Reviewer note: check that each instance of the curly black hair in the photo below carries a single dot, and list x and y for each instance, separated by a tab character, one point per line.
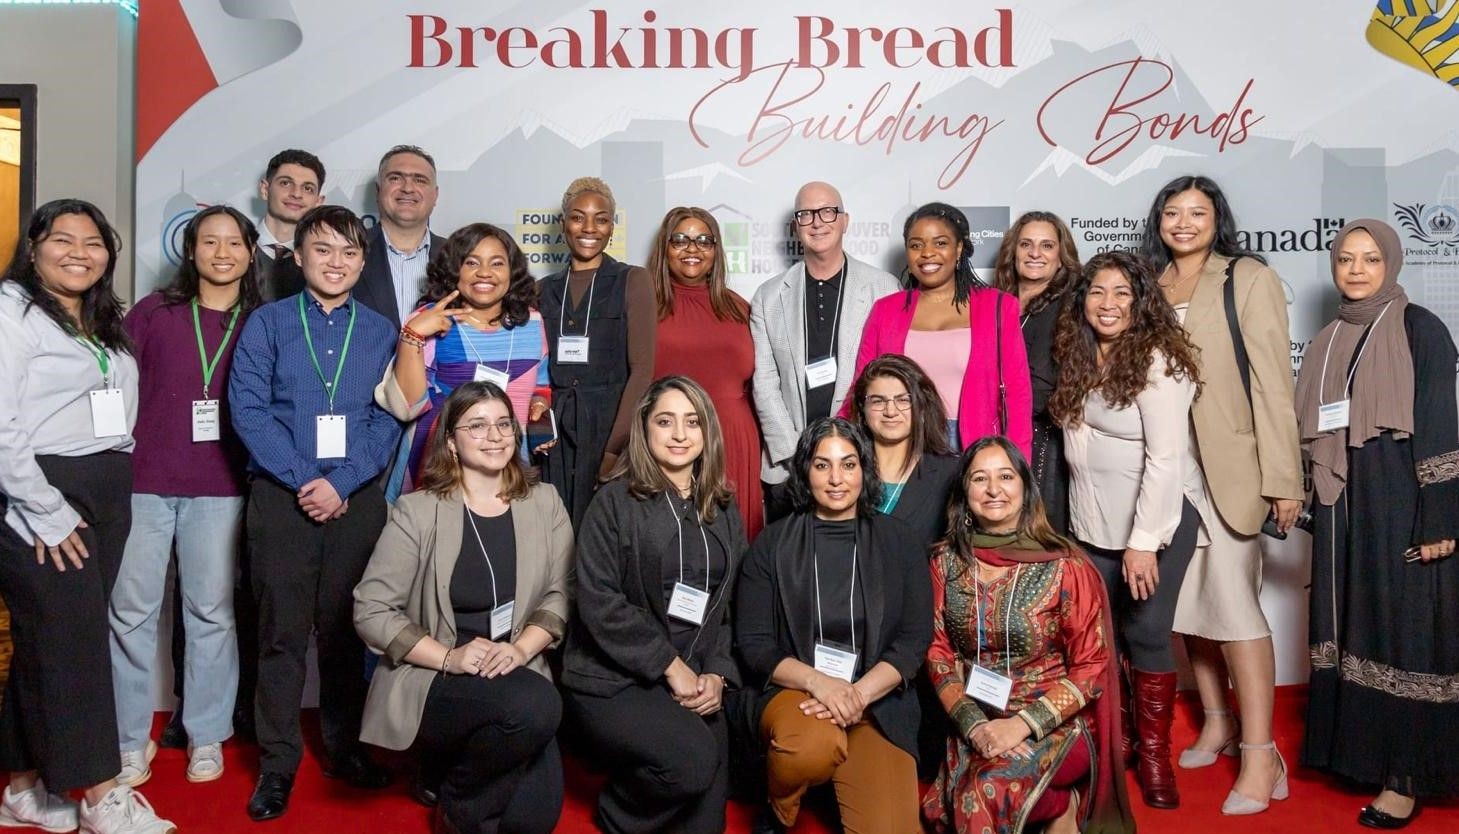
444	271
964	279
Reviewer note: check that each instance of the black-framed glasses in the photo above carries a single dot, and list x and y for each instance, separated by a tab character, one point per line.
481	429
901	402
679	240
828	214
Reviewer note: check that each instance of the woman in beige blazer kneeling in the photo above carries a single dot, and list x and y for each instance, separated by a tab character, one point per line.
468	585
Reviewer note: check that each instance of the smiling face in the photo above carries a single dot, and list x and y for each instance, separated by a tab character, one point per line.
221	254
995	491
293	190
1359	269
835	479
71	258
883	410
490	453
1188	223
933	251
331	264
408	190
693	263
820	238
1036	256
486	274
1108	303
587	226
675	436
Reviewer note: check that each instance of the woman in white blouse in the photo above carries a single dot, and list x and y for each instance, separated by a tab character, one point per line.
66	420
1127	377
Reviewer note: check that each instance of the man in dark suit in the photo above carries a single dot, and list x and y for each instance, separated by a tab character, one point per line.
401	244
292	184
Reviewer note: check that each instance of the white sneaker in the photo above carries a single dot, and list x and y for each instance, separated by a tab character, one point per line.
204	764
37	808
137	765
123	811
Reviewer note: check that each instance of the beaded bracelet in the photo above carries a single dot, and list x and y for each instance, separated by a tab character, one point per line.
446	661
410	337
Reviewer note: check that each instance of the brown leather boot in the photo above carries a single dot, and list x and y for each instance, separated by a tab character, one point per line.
1154	708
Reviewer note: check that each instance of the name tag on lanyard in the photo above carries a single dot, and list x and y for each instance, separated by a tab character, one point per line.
329	436
1333	416
486	373
206	426
688	603
572	350
108	413
501	619
835	661
821	372
989	687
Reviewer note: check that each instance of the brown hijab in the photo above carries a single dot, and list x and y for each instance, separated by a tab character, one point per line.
1382	383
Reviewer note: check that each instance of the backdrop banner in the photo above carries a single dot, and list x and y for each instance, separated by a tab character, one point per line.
1307	115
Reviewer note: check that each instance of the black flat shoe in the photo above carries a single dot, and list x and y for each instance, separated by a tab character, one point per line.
174	735
1374	818
357	769
425	791
270	796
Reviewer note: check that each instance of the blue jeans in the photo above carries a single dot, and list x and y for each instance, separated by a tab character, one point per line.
208	535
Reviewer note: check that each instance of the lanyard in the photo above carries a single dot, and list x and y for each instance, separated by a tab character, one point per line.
103	361
679	524
210	366
567	291
1322	380
471	517
890	497
476	357
820	628
1007	619
329	387
835	317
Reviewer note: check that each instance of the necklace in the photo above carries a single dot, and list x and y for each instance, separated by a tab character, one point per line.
1179	279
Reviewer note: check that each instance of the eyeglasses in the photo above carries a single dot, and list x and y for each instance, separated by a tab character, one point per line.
679	240
902	402
828	214
481	429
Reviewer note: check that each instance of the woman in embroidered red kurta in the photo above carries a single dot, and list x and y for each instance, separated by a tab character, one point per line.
1017	600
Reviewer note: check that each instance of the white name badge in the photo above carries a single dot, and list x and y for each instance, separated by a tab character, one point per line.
688	603
205	421
838	663
989	687
822	372
329	436
501	619
108	413
1333	415
572	350
486	373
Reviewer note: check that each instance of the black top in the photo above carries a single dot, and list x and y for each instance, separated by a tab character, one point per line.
699	550
822	302
471	582
922	505
833	548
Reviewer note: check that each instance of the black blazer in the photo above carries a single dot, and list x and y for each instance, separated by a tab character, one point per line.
923	502
775	611
376	288
619	635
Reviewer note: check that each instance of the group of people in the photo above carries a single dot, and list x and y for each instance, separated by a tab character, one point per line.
592	509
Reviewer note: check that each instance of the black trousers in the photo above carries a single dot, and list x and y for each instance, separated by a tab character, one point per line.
495	740
304	577
59	714
1142	627
668	769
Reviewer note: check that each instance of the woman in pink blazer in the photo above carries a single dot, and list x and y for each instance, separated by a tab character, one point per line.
964	335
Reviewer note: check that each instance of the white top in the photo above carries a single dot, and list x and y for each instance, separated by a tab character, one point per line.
46	376
1130	468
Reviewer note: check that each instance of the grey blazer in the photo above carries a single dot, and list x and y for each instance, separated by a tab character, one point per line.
405	595
777	324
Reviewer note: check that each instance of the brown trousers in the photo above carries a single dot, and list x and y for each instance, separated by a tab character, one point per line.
875	781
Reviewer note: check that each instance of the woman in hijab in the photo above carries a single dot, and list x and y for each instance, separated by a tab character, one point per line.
1376	406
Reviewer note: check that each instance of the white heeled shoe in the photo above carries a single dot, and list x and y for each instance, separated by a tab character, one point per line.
1238	805
1191	758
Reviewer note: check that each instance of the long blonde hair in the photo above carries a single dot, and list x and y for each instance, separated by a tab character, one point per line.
646	478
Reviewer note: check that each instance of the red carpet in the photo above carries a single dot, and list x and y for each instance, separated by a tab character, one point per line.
1318	803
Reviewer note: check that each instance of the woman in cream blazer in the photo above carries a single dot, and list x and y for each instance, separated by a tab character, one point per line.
468	585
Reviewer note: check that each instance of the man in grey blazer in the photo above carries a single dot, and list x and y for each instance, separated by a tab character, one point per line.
806	323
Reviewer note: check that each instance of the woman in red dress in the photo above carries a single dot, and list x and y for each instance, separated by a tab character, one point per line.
704	334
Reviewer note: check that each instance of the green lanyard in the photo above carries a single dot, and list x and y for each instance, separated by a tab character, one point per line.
329	387
209	367
890	496
103	361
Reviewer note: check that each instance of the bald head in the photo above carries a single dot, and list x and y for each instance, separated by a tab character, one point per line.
820	239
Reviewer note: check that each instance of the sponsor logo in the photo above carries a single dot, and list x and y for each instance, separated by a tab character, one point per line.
1436	225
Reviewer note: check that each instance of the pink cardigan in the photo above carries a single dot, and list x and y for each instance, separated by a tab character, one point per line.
886	332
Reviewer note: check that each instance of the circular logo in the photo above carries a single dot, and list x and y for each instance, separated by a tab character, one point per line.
172	235
1440	224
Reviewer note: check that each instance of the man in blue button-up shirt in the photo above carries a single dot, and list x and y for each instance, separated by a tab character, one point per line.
302	397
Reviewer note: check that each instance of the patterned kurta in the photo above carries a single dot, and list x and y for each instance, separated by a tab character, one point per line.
1043	626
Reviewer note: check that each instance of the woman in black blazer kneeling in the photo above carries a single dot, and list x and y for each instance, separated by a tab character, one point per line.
833	621
648	655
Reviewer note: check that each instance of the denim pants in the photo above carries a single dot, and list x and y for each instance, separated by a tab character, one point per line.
208	533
